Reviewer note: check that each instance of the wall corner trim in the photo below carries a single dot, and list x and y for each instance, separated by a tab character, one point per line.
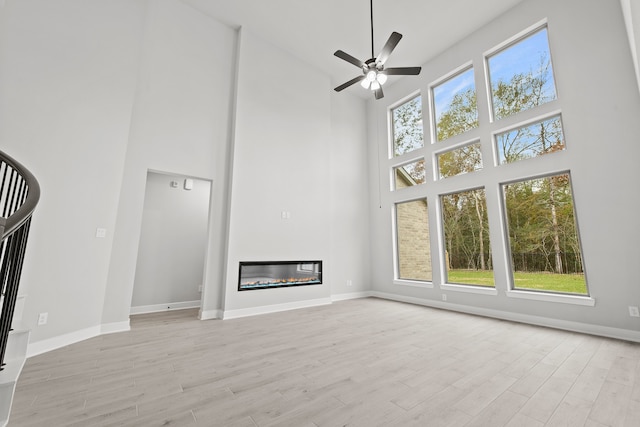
210	314
111	328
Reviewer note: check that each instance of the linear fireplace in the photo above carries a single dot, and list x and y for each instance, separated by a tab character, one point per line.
278	274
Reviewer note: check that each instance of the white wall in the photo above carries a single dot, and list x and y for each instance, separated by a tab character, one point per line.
281	163
68	72
180	123
95	93
350	242
300	148
173	242
594	73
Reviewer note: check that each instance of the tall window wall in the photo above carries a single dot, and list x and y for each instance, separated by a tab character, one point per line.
456	151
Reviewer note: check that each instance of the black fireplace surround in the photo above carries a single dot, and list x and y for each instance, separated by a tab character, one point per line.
278	274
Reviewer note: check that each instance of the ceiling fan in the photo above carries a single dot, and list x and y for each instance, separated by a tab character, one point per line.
374	75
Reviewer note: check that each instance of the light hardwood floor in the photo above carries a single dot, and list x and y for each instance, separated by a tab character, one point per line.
366	362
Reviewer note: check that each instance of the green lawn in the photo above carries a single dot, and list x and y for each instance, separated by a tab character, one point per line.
569	283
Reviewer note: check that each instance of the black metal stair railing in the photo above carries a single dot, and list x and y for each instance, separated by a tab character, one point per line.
19	195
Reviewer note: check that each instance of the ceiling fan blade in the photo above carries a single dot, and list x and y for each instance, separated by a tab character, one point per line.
402	71
349	83
378	93
394	38
343	55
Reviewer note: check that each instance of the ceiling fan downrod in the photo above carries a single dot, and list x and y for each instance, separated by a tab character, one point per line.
371	9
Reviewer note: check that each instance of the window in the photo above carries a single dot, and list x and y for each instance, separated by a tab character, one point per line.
409	174
532	201
407	127
530	141
543	237
466	235
521	75
412	241
460	160
455	107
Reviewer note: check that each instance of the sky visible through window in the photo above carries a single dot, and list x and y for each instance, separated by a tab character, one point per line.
530	141
523	57
522	75
520	58
443	94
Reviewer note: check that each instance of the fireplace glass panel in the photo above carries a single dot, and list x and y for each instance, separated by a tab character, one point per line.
278	274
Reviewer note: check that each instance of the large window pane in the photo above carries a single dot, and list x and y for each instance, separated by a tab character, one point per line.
466	234
543	237
455	105
407	127
461	160
412	231
409	175
522	76
531	141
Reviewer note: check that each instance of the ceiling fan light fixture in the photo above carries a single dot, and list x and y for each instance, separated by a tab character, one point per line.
374	75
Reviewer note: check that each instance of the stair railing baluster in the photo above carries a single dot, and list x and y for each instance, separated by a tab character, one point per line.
19	195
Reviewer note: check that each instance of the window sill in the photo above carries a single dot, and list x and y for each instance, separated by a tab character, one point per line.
413	283
469	289
560	298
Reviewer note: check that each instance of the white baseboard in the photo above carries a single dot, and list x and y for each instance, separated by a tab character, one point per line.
351	295
141	309
40	347
44	346
231	314
111	328
244	312
60	341
585	328
210	314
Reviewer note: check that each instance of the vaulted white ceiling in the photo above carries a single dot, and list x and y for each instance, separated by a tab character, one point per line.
314	30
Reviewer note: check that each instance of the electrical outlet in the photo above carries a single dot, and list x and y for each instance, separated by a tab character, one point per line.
42	318
200	288
633	311
444	297
349	282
